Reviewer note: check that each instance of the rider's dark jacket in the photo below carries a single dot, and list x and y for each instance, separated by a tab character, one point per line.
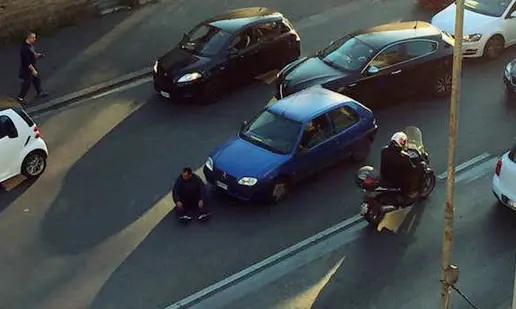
397	169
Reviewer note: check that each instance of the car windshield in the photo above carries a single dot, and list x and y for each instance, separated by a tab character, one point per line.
205	40
349	54
487	7
272	132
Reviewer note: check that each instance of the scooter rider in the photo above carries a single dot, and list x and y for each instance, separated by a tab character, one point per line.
398	169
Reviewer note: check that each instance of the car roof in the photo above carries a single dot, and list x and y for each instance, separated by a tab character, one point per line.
307	103
8	103
380	36
233	21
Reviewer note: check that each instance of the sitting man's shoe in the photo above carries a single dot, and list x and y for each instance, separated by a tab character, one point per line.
20	100
202	216
185	218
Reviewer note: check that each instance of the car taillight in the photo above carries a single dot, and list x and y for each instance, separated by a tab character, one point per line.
37	133
498	167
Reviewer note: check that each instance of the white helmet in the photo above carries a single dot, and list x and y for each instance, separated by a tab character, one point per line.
400	138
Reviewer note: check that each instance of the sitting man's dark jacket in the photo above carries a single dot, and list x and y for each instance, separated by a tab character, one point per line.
397	168
189	192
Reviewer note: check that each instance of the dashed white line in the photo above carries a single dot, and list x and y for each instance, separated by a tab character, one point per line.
465	165
268	262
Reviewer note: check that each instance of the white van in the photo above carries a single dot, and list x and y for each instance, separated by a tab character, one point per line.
22	150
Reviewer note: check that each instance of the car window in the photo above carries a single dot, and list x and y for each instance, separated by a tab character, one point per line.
315	132
205	40
342	117
273	132
6	125
348	53
389	56
268	30
416	49
244	40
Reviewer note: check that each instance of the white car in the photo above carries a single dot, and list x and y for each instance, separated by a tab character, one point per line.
504	180
489	26
22	150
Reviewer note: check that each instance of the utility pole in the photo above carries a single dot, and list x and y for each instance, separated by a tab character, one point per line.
449	272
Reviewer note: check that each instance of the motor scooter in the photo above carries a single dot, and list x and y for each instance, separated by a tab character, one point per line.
381	198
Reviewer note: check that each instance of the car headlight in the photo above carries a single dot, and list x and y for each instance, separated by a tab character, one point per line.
209	163
155	67
247	181
189	77
472	37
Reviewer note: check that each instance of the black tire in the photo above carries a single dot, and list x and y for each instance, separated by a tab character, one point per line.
494	47
361	150
428	185
279	191
34	164
442	84
212	92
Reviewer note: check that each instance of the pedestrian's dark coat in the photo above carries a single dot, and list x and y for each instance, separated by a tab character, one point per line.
188	191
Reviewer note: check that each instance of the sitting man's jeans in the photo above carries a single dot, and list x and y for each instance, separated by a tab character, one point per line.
190	210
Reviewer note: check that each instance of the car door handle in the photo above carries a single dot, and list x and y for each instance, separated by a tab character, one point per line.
396	72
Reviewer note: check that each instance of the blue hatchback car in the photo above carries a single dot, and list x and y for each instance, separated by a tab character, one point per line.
288	141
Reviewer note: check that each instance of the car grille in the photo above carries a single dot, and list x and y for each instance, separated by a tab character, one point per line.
223	176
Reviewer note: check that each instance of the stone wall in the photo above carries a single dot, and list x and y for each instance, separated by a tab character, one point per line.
19	16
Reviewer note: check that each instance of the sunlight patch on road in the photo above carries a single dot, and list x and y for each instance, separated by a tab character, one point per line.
102	261
307	298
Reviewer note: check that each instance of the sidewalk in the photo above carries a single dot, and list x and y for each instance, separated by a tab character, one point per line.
108	47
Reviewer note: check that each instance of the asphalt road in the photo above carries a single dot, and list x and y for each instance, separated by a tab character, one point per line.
402	270
94	229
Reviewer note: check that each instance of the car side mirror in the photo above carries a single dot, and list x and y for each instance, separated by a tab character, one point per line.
300	149
232	52
372	70
243	125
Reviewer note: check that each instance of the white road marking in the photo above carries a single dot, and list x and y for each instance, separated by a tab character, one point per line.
465	165
136	83
224	298
476	172
253	270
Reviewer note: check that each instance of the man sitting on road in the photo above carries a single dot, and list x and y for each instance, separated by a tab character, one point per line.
188	195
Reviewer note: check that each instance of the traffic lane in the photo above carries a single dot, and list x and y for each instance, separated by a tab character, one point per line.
318	31
367	272
265	233
257	236
407	264
35	269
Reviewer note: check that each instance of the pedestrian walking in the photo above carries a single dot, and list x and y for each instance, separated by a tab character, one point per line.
188	194
29	74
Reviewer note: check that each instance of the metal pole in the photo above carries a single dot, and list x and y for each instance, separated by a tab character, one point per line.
514	288
446	268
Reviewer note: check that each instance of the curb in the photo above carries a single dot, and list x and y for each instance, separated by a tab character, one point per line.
90	91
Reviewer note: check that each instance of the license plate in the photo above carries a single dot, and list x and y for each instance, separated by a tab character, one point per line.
165	94
222	185
364	208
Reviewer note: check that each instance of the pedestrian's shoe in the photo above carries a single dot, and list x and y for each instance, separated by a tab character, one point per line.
185	218
42	94
20	100
203	217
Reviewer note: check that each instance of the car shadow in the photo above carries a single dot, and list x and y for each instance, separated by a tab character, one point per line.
9	195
